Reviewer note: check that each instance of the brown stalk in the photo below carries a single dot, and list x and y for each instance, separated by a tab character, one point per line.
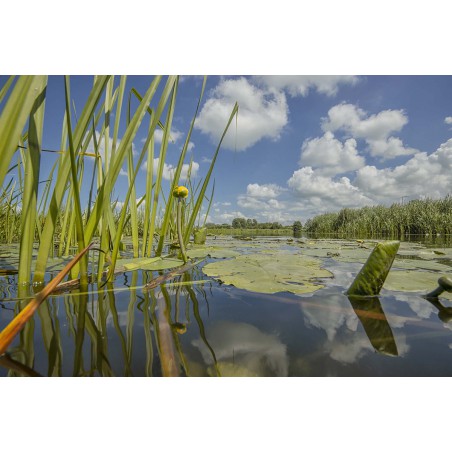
16	325
161	279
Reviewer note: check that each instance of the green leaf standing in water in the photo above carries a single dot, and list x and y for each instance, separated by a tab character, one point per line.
372	276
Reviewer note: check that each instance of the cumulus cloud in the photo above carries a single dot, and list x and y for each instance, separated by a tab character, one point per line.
375	129
422	175
300	85
227	217
261	199
175	135
448	120
100	139
168	169
263	113
328	156
318	190
264	191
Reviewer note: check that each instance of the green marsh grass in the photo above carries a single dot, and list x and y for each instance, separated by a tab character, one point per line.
425	217
51	216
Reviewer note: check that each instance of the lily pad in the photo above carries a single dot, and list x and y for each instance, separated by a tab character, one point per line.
414	281
420	264
153	263
265	273
212	251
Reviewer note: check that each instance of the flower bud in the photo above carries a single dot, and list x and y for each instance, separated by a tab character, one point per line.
180	192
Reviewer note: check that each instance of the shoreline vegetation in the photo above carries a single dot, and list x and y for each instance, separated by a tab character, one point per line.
45	211
417	217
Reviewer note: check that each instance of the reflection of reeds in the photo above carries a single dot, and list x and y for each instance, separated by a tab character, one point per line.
147	334
115	317
200	323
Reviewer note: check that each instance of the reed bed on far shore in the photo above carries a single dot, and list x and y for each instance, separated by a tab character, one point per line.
417	217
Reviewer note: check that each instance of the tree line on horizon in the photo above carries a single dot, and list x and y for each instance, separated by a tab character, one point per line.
246	223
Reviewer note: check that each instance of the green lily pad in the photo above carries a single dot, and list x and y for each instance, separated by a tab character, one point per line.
420	264
414	281
153	263
163	264
265	273
137	263
212	251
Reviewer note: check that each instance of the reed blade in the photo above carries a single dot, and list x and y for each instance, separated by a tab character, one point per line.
30	194
14	117
200	199
177	173
61	182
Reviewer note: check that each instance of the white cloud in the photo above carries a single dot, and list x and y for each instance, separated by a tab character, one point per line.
263	191
206	160
175	135
323	192
168	169
261	200
374	129
190	146
101	146
422	175
227	217
262	114
448	120
301	84
329	156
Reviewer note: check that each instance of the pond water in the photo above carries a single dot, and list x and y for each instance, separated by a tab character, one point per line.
196	325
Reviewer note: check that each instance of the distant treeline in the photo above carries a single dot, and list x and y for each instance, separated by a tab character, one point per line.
245	223
428	216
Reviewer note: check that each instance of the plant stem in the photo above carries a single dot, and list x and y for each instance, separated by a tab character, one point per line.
179	230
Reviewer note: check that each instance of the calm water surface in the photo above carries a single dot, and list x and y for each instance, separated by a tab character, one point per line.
205	328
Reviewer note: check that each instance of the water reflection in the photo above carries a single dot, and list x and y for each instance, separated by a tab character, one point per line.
190	327
243	350
444	312
375	324
113	332
353	326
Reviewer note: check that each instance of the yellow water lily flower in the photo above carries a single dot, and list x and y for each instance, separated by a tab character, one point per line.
180	192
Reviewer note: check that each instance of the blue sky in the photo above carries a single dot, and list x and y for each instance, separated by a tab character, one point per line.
303	145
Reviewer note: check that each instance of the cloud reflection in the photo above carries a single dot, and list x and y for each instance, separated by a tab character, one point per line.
248	348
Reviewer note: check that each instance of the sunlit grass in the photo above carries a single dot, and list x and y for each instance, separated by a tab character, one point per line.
51	216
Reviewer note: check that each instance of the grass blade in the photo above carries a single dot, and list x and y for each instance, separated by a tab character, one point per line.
14	117
199	201
30	194
6	87
177	173
63	176
76	189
